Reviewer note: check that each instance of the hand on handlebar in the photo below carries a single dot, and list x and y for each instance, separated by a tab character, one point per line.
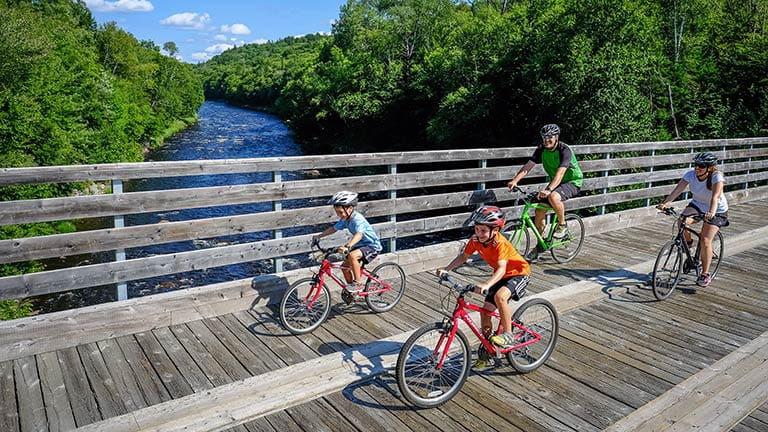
512	185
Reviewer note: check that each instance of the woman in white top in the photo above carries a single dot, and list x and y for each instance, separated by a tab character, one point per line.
706	185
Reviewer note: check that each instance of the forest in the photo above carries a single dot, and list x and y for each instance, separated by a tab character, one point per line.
409	74
72	92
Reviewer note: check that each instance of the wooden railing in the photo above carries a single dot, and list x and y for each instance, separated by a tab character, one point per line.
617	173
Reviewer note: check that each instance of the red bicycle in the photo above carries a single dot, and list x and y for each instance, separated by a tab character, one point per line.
307	302
434	362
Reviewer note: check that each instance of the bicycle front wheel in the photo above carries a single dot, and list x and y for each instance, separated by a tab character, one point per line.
539	316
666	270
389	275
421	381
517	234
298	313
566	249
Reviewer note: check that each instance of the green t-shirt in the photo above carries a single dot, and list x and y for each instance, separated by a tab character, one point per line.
561	156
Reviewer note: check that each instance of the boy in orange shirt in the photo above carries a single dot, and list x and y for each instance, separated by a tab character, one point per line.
510	276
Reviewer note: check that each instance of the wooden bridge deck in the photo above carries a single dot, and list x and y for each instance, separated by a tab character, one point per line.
614	356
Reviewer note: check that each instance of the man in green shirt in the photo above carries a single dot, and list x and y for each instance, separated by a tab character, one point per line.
564	177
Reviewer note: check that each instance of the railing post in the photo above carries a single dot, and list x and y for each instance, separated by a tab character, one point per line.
749	161
483	163
393	217
650	174
277	177
119	222
605	189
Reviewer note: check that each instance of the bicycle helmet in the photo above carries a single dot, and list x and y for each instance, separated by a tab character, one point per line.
490	216
549	130
705	158
344	198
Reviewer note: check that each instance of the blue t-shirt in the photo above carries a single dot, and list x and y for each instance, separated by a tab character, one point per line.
357	223
701	195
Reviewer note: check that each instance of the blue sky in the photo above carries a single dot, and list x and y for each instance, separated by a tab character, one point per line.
204	28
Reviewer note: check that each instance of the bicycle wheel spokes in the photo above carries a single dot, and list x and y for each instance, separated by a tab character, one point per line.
517	235
298	313
422	380
393	276
566	249
666	270
537	316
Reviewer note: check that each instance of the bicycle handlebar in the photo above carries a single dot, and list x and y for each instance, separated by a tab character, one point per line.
670	211
527	196
462	289
327	251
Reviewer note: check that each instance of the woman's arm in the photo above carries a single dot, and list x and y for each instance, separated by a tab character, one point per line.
717	190
681	185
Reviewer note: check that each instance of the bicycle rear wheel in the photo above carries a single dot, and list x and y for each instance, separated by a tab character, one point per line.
666	270
420	381
537	315
518	236
296	314
394	276
570	247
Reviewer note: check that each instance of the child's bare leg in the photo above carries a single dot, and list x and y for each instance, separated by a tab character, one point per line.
485	320
505	312
353	261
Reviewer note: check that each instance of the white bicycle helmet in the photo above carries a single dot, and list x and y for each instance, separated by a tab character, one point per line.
344	198
549	130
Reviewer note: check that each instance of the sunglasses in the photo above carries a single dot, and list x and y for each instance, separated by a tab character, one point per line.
698	165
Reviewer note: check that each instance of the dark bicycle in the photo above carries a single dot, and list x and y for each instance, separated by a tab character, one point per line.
676	258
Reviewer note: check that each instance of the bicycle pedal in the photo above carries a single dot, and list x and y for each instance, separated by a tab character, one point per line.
348	297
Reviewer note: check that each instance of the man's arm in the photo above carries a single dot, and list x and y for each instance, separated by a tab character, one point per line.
524	170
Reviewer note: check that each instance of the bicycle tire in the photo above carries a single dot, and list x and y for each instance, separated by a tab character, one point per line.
540	316
393	275
294	314
666	269
568	251
418	380
520	239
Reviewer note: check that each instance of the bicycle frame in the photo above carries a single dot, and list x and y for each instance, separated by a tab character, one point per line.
326	269
694	260
460	313
525	221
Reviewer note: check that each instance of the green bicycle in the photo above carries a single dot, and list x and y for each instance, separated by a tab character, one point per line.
562	250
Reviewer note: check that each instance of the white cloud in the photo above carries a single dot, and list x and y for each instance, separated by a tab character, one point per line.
120	6
239	29
201	56
220	37
218	48
260	41
187	20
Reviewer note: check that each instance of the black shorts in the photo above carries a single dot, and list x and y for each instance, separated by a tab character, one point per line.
369	254
515	284
719	220
566	191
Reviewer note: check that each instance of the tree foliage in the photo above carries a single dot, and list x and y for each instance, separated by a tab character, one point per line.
446	73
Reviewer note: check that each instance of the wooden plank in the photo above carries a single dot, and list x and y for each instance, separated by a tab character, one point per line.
58	411
218	351
252	363
247	335
125	382
190	358
104	388
81	399
150	385
9	410
176	385
30	397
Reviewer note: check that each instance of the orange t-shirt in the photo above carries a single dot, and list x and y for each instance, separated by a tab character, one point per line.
499	250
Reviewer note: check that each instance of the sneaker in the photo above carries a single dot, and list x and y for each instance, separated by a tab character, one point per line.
348	297
503	339
353	287
533	255
483	359
704	279
561	232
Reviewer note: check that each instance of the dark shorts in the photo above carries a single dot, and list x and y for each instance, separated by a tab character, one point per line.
515	284
369	253
566	191
719	220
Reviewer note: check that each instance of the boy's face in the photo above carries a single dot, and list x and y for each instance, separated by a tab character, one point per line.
343	212
483	233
